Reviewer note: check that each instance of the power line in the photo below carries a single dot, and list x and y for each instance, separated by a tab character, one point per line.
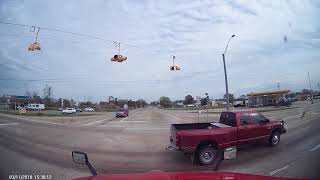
82	35
72	79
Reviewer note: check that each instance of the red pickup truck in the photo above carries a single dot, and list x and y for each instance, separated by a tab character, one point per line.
206	141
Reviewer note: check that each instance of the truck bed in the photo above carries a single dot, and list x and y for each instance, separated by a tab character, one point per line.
191	126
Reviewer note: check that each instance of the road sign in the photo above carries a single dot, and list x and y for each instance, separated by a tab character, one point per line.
22	110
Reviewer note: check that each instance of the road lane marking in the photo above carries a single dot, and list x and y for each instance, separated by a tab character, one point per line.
79	122
315	148
128	122
41	121
129	116
96	122
26	119
147	129
7	124
174	117
280	169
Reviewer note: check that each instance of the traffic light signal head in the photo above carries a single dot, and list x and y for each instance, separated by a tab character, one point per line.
34	46
119	58
174	68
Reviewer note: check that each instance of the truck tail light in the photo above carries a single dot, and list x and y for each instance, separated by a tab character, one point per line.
177	139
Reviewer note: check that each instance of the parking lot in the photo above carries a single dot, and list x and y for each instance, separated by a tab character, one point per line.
137	144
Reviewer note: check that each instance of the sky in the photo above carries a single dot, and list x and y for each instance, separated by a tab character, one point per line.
276	42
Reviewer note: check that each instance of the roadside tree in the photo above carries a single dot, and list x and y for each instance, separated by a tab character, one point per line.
165	102
231	97
188	100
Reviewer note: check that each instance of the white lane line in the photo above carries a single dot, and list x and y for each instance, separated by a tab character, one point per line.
128	122
147	129
9	124
79	122
315	148
129	116
174	117
89	120
45	122
96	122
280	169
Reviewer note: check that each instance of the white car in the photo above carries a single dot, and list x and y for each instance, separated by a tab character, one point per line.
89	109
69	111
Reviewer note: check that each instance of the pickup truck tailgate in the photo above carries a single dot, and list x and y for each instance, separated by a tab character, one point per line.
173	136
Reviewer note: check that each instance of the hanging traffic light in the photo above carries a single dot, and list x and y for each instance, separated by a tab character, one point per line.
118	57
35	45
174	67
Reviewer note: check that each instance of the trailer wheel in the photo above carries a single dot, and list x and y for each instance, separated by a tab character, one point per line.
207	155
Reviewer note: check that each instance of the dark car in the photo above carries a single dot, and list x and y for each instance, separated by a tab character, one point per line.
122	112
78	109
284	103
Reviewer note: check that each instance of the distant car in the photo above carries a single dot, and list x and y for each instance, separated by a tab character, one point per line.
69	111
60	109
122	112
78	109
88	109
33	106
284	103
239	104
191	105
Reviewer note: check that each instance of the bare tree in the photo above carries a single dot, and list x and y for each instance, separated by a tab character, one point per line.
36	98
72	103
27	93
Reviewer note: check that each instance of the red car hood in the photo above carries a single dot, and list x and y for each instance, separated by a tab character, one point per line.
159	175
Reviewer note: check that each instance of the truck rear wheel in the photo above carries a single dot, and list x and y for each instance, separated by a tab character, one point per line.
207	155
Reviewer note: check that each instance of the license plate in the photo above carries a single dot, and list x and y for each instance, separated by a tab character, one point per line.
230	152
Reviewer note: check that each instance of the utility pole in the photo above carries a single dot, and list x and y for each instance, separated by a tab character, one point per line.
207	100
310	88
225	71
226	80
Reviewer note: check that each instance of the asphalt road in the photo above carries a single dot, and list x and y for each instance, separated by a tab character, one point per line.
33	146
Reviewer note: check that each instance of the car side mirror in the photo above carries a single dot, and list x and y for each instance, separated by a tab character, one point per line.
79	157
82	158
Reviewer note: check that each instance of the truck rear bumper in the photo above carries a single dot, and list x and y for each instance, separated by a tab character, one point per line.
172	148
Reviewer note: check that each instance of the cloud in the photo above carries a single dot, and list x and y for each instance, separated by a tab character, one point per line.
196	32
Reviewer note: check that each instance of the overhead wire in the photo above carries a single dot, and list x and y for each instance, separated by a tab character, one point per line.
83	35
